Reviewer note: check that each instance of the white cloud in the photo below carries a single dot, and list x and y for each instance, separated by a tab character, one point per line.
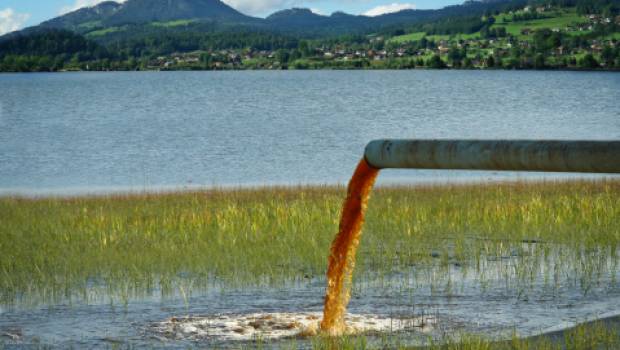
258	7
82	3
11	21
389	8
318	12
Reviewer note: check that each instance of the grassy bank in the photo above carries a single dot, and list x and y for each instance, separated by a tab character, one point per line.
602	334
54	249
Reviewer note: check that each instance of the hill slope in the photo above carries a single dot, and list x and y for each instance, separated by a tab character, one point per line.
108	16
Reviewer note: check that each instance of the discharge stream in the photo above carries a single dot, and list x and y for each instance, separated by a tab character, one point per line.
344	247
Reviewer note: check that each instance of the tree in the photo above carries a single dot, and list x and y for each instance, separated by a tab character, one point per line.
455	55
282	56
608	55
589	62
539	61
467	63
490	62
435	62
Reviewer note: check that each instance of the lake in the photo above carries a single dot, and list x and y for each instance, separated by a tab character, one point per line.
80	133
102	132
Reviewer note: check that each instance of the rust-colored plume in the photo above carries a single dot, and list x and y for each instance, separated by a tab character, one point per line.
344	247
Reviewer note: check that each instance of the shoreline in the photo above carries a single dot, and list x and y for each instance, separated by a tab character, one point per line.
128	192
197	69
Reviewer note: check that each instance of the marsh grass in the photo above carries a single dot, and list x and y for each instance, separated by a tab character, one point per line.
602	334
127	246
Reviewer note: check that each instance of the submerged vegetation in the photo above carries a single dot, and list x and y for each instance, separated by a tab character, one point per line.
125	246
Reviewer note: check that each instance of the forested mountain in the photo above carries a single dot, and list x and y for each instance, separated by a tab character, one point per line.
109	13
145	11
208	34
124	20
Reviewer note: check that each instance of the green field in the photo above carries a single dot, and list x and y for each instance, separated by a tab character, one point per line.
177	23
408	37
419	35
614	36
106	31
559	20
89	25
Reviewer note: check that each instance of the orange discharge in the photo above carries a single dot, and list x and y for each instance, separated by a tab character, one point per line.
344	246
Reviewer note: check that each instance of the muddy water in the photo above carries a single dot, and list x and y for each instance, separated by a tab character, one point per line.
344	248
457	300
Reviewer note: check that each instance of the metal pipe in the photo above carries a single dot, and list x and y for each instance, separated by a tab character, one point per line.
527	155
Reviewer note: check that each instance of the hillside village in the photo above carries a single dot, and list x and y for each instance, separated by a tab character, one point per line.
553	46
527	37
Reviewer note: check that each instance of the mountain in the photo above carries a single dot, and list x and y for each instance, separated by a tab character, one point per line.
144	11
112	21
73	19
207	34
109	14
295	14
188	23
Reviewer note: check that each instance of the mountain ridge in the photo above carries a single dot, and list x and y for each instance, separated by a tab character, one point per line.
297	21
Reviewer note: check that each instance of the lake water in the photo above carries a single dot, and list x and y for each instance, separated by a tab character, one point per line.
93	132
101	132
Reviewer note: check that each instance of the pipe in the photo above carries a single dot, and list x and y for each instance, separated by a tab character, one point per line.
527	155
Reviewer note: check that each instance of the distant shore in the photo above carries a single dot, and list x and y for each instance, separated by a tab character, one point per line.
198	69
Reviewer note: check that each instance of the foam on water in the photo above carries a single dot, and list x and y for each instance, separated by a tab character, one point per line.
272	326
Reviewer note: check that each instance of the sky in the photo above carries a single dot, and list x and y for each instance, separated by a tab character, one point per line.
17	14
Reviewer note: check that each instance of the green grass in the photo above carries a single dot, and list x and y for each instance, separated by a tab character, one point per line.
54	249
408	37
177	23
602	334
419	35
614	36
106	31
471	36
559	20
89	25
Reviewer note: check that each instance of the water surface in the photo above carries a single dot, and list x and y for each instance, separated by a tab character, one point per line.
89	132
93	132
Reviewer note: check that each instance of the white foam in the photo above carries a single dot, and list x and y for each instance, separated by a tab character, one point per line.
279	325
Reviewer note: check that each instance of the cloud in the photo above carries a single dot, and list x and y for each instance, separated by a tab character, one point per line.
251	7
389	8
259	7
82	3
11	21
318	12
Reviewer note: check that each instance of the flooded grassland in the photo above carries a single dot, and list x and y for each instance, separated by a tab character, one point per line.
456	263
